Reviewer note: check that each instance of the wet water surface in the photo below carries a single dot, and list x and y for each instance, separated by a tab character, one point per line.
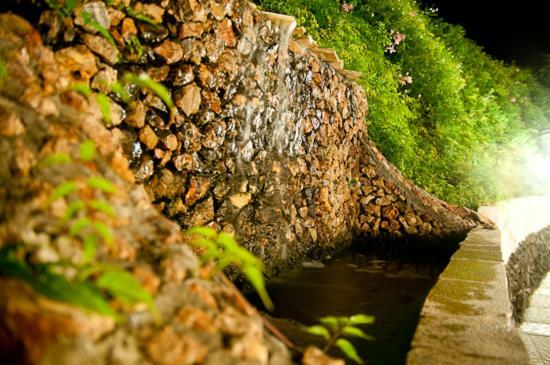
390	288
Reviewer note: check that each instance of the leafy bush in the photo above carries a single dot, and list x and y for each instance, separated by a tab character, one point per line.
222	250
443	111
334	329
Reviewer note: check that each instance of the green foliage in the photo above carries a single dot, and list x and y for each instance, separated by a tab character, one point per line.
142	81
90	21
104	104
62	7
135	46
3	72
145	82
102	184
223	250
44	281
87	150
91	285
333	329
125	287
63	189
56	159
443	111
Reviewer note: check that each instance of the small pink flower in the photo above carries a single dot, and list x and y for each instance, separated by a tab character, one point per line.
347	7
406	80
398	38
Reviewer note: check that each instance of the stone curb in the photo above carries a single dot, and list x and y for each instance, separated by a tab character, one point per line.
467	316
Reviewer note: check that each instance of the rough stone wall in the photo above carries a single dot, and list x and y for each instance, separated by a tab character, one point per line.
268	144
526	268
204	319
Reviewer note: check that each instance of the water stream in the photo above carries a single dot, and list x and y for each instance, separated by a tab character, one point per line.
392	288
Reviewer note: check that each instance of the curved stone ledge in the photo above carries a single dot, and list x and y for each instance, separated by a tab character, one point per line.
526	268
466	318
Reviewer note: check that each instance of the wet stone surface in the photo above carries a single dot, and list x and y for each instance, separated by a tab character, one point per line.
280	136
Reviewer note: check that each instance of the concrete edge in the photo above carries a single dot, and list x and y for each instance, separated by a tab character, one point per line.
467	316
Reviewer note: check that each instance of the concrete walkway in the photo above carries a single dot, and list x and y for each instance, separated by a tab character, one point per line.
535	329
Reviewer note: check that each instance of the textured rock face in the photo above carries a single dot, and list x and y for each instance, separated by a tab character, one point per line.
204	319
267	144
526	268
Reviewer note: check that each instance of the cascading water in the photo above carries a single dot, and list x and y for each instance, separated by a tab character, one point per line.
264	137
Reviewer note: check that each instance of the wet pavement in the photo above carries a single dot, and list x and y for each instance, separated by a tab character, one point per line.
535	330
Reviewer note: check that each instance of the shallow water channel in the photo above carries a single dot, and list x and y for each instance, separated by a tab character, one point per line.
391	288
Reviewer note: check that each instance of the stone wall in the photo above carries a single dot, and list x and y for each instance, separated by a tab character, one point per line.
518	218
524	225
526	268
269	144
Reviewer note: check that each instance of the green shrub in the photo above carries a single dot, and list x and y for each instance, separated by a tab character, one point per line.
443	111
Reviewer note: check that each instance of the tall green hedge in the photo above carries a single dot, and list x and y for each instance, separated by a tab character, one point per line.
451	118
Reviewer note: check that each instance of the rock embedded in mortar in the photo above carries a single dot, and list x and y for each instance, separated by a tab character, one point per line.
181	75
217	10
128	29
203	213
189	99
148	137
77	61
170	51
198	188
97	12
101	46
103	80
136	114
240	200
192	30
225	32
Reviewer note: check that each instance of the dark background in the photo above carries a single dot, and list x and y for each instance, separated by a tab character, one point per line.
517	31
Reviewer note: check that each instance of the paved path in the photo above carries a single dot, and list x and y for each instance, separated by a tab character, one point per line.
536	326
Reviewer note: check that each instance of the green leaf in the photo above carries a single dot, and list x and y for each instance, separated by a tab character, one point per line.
256	278
104	104
228	259
125	287
56	159
72	209
87	150
361	319
144	81
89	20
204	231
82	88
349	350
135	46
330	321
90	248
3	72
356	332
121	92
63	190
319	330
79	225
56	287
103	207
139	16
100	183
105	233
